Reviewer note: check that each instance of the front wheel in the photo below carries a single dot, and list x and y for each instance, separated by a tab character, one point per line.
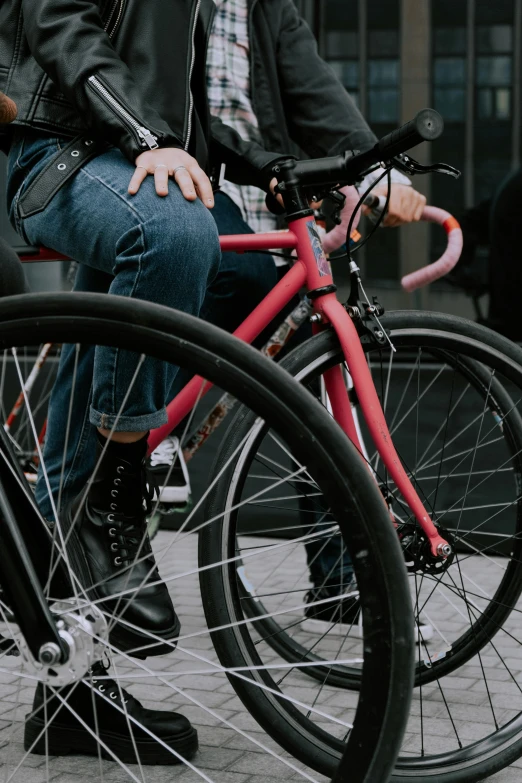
80	707
451	394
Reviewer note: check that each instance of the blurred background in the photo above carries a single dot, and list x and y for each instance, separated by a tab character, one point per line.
463	57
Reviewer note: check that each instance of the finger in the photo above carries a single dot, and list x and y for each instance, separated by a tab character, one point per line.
203	185
419	209
393	215
140	174
161	180
392	221
185	183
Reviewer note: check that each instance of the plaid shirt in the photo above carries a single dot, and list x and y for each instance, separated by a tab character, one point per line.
229	93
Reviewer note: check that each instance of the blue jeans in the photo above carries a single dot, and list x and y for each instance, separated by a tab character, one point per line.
163	250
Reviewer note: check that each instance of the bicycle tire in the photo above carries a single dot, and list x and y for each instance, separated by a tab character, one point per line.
265	388
498	750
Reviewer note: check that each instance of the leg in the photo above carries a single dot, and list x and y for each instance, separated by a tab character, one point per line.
69	464
163	250
243	279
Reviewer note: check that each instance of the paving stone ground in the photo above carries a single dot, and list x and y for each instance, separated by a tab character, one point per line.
233	747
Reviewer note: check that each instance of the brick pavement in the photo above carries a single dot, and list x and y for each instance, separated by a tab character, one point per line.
233	747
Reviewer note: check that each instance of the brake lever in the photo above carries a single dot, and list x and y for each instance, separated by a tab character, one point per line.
410	166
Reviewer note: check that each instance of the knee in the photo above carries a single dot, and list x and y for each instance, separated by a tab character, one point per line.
177	243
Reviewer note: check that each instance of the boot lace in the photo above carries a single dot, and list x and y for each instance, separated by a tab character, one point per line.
165	453
128	533
108	686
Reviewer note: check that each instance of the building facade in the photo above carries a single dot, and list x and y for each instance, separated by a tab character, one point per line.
464	58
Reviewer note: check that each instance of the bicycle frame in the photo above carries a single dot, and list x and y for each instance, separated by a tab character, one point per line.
312	269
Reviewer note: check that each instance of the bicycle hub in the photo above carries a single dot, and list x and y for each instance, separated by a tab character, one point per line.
49	654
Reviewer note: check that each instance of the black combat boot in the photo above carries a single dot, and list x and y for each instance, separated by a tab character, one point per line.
110	551
98	702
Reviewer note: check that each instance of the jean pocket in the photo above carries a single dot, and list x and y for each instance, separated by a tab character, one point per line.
16	221
30	153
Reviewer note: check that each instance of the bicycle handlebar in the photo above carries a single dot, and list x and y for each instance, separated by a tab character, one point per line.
421	277
428	125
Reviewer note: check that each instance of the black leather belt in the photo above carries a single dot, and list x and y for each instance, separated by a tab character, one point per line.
58	171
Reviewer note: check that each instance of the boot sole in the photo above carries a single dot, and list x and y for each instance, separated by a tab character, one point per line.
125	639
64	741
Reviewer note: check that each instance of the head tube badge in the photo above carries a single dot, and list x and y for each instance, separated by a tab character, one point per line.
317	246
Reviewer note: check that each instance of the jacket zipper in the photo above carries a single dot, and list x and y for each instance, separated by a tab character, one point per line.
146	137
118	4
193	60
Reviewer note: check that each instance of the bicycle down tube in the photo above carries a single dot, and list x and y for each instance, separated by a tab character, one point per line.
312	268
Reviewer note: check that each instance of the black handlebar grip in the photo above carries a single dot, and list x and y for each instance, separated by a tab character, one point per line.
428	125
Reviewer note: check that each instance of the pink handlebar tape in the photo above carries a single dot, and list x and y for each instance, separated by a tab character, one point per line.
428	274
447	261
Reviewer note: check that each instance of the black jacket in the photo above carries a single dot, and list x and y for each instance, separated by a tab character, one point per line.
121	69
127	71
298	100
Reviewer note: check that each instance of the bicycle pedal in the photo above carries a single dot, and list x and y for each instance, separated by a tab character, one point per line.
168	509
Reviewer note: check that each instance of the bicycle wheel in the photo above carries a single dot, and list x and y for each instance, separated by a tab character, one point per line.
452	394
188	678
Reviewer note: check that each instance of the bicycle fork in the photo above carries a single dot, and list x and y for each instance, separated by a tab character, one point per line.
22	573
333	313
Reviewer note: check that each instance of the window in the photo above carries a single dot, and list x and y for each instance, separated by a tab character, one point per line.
493	137
493	79
383	91
342	42
449	73
347	71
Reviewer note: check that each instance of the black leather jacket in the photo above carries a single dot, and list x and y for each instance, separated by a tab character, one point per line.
128	71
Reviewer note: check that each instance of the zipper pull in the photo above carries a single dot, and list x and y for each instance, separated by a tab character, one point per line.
150	140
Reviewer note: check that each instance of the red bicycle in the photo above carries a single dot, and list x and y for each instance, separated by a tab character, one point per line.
431	403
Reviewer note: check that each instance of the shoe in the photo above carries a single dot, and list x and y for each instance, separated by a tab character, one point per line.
63	733
169	470
339	617
108	536
342	617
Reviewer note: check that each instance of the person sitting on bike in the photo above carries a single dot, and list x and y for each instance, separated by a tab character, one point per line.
266	80
111	106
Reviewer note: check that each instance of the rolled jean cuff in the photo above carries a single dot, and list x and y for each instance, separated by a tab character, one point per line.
149	421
